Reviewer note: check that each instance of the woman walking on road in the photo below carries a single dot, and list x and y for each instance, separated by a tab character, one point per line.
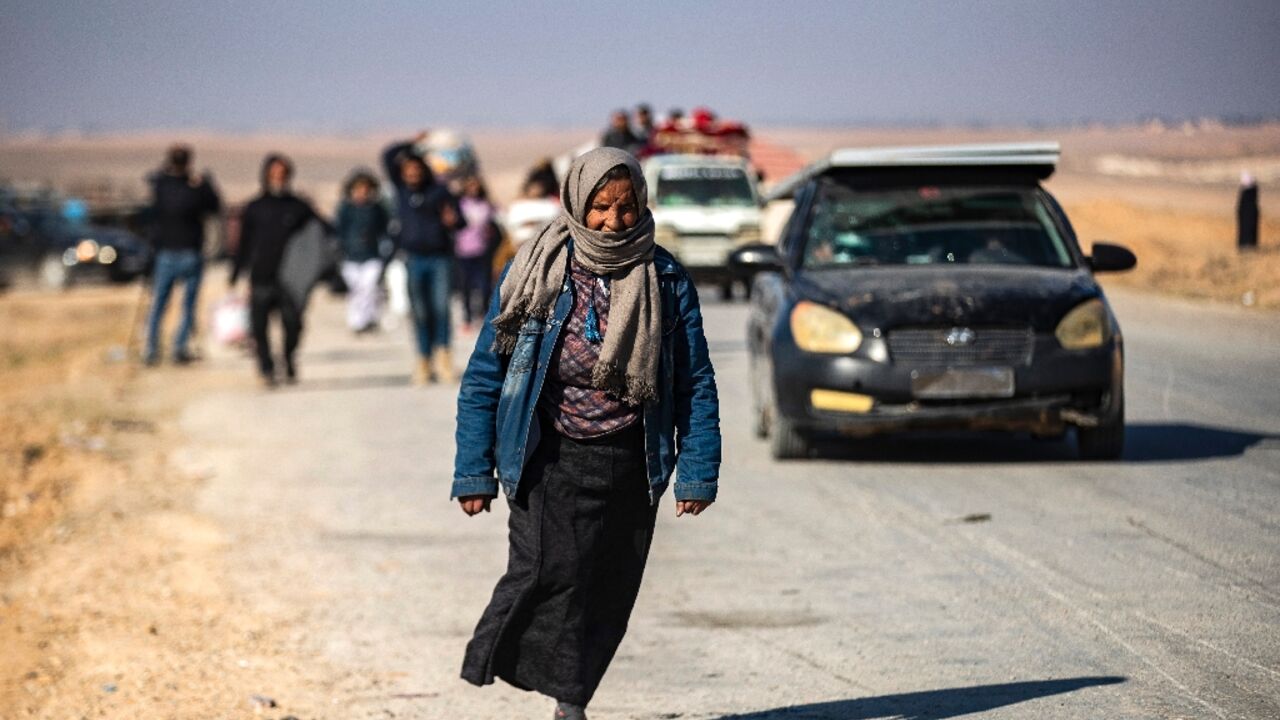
362	223
592	355
427	214
473	247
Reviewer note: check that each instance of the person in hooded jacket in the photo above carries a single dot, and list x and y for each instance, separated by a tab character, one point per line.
266	226
362	224
427	215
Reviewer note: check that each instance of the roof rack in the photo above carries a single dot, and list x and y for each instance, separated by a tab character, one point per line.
1027	154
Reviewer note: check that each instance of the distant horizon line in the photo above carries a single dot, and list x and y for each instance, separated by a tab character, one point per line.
68	132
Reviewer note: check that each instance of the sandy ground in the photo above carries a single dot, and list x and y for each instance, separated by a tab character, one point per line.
115	597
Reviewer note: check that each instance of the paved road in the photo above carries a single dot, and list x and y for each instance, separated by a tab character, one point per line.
847	587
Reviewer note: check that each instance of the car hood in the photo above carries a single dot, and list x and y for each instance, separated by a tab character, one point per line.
881	297
724	220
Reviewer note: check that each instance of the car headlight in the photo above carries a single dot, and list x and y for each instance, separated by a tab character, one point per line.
86	250
107	255
1087	326
820	329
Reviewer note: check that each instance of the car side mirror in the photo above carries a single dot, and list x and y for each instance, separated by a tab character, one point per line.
750	259
1111	258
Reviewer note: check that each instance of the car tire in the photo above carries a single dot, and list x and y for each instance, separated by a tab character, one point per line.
726	290
1105	441
786	441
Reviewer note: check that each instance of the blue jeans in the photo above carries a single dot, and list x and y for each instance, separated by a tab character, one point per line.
430	277
172	266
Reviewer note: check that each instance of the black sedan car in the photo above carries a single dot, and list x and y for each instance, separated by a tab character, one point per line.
37	243
932	288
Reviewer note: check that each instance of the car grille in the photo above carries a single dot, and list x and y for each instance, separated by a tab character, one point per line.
961	346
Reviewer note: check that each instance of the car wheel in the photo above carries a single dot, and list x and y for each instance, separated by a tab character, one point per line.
1106	440
726	290
787	442
53	273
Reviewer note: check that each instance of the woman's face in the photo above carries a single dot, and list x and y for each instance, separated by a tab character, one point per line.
360	192
613	207
472	187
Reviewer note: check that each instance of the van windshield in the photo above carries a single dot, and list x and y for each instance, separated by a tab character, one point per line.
703	187
932	225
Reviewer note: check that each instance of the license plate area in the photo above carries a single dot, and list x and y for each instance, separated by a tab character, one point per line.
962	383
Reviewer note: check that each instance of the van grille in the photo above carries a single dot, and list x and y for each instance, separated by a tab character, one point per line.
961	346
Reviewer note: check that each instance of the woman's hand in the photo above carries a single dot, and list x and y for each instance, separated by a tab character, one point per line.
475	504
692	507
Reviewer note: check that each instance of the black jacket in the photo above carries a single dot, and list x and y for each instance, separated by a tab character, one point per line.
422	230
266	225
178	211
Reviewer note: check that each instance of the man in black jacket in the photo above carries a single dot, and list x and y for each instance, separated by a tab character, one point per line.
266	225
180	201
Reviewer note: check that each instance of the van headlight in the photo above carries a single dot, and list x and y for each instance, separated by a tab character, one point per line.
748	234
820	329
664	235
1087	326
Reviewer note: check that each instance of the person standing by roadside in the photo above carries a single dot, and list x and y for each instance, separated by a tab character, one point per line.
473	247
180	202
427	214
362	223
590	384
266	225
1247	213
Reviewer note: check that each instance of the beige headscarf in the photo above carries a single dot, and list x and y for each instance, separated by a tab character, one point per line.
628	364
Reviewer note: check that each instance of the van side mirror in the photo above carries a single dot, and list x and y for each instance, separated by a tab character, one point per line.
1111	258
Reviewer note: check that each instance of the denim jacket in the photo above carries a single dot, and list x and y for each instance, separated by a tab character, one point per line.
497	433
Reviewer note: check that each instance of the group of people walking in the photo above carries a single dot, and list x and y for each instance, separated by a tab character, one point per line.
445	239
589	388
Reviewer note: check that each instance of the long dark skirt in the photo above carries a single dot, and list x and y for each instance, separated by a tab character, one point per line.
580	529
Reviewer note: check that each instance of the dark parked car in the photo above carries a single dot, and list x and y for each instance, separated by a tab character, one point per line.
933	288
37	242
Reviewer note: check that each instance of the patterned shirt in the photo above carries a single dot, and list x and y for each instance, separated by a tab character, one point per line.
577	409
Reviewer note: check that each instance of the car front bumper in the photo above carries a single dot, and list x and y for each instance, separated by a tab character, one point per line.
860	395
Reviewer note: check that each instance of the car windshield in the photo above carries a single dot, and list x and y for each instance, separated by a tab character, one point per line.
932	225
702	186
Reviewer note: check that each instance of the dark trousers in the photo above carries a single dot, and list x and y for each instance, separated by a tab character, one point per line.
263	301
475	282
580	530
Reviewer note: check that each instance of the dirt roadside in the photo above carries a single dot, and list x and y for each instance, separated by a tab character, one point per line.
115	599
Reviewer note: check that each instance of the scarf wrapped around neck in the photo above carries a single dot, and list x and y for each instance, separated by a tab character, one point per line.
628	364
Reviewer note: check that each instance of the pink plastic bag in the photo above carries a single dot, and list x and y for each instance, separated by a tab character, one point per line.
230	320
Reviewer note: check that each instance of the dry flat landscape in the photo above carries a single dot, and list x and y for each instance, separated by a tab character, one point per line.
1167	192
120	596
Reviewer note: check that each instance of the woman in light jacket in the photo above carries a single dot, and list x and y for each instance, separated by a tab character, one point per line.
589	385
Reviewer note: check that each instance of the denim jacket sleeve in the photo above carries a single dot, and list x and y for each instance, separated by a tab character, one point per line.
474	463
697	405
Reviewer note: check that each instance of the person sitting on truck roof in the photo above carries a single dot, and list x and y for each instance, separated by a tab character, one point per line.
619	134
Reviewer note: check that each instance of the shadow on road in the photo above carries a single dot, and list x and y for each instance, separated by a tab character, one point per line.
354	382
1164	442
1144	443
930	704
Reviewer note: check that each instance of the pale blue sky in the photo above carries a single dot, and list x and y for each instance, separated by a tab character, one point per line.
341	66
